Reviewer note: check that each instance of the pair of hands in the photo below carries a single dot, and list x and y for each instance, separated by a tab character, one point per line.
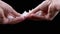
47	10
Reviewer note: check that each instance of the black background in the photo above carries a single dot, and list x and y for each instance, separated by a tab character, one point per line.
29	25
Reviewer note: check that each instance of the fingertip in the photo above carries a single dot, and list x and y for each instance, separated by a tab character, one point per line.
32	15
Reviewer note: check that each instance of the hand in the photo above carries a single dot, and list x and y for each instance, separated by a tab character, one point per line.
8	15
49	9
17	19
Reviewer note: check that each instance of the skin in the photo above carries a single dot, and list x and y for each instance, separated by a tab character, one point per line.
50	9
5	11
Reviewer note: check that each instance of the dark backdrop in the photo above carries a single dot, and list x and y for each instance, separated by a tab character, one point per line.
22	5
28	25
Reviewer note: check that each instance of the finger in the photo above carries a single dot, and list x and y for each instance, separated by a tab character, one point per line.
39	13
16	13
15	20
52	11
34	17
8	9
38	16
43	6
25	13
2	16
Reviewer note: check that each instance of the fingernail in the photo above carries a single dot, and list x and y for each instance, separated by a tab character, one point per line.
29	10
10	17
25	13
